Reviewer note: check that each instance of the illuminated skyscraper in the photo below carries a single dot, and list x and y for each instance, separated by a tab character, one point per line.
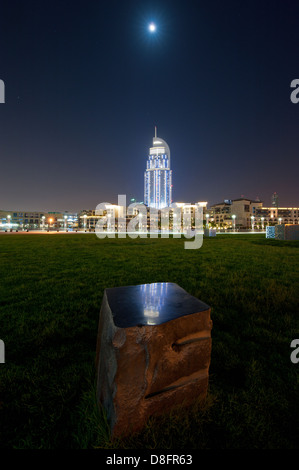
158	175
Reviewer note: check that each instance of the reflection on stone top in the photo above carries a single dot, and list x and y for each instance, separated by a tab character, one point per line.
151	304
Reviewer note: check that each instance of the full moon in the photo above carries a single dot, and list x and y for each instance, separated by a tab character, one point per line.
152	27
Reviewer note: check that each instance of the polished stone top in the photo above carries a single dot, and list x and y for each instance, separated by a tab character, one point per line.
151	304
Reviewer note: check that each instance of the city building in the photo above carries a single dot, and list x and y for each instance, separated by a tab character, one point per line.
243	213
115	218
158	175
277	215
28	220
110	214
233	213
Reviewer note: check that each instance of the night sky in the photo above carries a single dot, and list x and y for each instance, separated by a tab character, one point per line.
86	82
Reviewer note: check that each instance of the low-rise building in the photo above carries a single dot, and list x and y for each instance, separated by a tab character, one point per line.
246	213
28	220
277	215
112	217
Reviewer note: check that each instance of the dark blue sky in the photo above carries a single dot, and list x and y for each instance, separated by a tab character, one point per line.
86	83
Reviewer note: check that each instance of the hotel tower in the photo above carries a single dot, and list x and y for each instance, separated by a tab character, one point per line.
158	175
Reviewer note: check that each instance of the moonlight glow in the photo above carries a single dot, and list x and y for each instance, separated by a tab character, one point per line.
152	27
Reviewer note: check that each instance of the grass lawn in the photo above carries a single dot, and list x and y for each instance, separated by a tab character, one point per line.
50	297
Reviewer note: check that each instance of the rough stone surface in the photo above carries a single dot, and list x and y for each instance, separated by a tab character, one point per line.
270	232
147	369
287	232
210	232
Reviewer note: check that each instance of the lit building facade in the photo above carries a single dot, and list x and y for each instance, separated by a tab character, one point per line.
115	218
277	215
248	214
233	213
26	220
158	175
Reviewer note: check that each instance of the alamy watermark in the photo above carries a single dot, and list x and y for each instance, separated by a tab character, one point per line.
295	93
295	353
2	92
138	220
2	352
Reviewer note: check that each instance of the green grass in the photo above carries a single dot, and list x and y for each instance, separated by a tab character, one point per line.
50	296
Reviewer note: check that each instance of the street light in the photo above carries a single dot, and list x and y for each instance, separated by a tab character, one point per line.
252	222
207	218
234	221
8	221
279	220
140	222
85	217
50	221
109	223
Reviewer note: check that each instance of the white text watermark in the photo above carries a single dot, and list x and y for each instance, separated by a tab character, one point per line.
295	93
295	352
138	220
2	352
2	92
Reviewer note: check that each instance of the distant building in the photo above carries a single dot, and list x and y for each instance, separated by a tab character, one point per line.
88	219
221	215
28	220
278	215
158	175
246	213
113	218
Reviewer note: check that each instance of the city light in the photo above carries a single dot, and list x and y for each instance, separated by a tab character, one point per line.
234	221
207	217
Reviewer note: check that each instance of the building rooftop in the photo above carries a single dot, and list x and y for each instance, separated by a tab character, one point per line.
224	203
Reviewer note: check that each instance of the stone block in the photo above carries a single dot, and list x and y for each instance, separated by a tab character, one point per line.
287	232
153	353
270	232
291	232
210	232
279	232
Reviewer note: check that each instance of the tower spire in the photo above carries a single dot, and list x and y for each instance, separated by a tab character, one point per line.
155	132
